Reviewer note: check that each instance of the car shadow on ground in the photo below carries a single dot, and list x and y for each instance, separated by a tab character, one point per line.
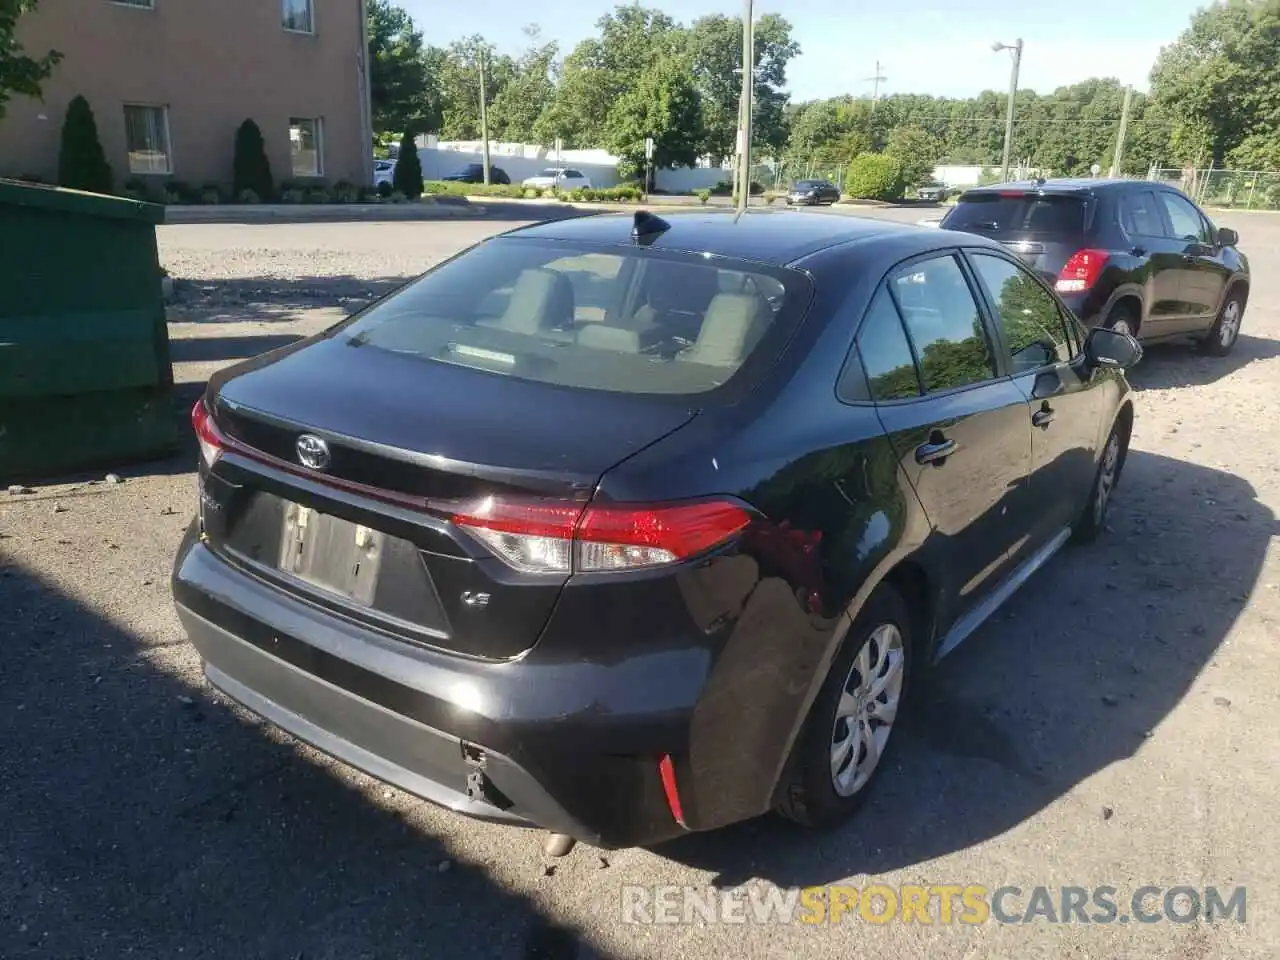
1070	677
144	816
214	349
1166	366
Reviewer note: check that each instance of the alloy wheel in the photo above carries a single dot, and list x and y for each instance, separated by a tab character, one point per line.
867	709
1106	479
1229	329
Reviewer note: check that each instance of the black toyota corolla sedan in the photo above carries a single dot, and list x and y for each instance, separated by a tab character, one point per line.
625	527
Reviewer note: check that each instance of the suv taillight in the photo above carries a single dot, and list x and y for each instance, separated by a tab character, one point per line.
211	440
550	537
1082	271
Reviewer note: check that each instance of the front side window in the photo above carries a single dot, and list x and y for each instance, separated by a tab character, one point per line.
944	324
1033	324
885	352
146	131
306	147
1186	219
298	15
624	321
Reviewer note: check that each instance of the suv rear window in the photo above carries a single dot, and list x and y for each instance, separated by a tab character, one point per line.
998	214
621	319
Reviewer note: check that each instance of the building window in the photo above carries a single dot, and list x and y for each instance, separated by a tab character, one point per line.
146	131
298	15
306	146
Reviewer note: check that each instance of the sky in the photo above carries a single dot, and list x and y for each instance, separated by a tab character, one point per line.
941	47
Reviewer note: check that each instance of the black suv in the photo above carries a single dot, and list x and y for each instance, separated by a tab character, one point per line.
632	527
1135	256
474	173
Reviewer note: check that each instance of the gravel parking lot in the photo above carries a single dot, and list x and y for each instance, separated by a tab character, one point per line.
1117	724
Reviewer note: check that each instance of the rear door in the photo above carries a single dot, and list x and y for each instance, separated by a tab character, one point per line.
1044	229
960	427
1144	223
1203	275
1041	344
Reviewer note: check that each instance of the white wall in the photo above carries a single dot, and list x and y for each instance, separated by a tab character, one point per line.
684	179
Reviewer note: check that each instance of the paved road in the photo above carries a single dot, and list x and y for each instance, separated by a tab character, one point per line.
1117	724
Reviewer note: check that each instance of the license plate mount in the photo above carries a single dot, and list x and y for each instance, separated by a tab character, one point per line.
331	553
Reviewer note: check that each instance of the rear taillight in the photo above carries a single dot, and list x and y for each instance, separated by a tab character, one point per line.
549	537
1082	271
211	440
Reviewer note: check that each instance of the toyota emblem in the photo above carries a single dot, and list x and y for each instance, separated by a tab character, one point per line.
312	452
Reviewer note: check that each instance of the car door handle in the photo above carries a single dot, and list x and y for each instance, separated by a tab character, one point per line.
936	450
1043	417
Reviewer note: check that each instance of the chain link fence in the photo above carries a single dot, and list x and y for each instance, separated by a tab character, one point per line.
1239	189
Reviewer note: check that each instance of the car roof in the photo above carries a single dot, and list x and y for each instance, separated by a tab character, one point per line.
1063	185
776	237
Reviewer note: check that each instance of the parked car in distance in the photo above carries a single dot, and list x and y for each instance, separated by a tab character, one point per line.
559	178
474	173
384	171
1135	256
933	192
813	192
628	527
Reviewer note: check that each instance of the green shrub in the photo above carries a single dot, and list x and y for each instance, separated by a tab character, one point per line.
211	198
703	195
344	191
293	195
250	169
384	190
723	189
874	176
318	194
216	189
450	188
408	175
81	163
398	197
532	194
136	189
247	196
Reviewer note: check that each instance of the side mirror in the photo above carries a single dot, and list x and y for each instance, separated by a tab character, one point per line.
1227	237
1108	348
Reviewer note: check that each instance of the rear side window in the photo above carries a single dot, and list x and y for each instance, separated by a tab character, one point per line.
1139	215
619	319
886	354
999	214
944	324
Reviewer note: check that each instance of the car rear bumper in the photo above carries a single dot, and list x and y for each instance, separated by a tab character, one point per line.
522	742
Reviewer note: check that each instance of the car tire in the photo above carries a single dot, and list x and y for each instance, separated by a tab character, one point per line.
1225	332
1093	518
821	791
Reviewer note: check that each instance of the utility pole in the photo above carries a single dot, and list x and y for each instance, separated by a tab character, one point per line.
875	89
744	109
1118	158
484	119
1016	49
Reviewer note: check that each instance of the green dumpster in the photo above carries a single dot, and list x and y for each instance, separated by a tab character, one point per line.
85	378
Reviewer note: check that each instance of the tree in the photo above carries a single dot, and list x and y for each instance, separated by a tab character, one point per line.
408	176
459	80
874	176
81	163
250	168
403	91
1218	83
526	96
917	152
20	74
664	105
714	47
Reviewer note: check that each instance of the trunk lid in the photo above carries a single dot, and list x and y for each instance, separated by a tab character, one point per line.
354	534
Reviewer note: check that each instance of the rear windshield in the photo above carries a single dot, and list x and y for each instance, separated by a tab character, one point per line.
627	320
995	214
